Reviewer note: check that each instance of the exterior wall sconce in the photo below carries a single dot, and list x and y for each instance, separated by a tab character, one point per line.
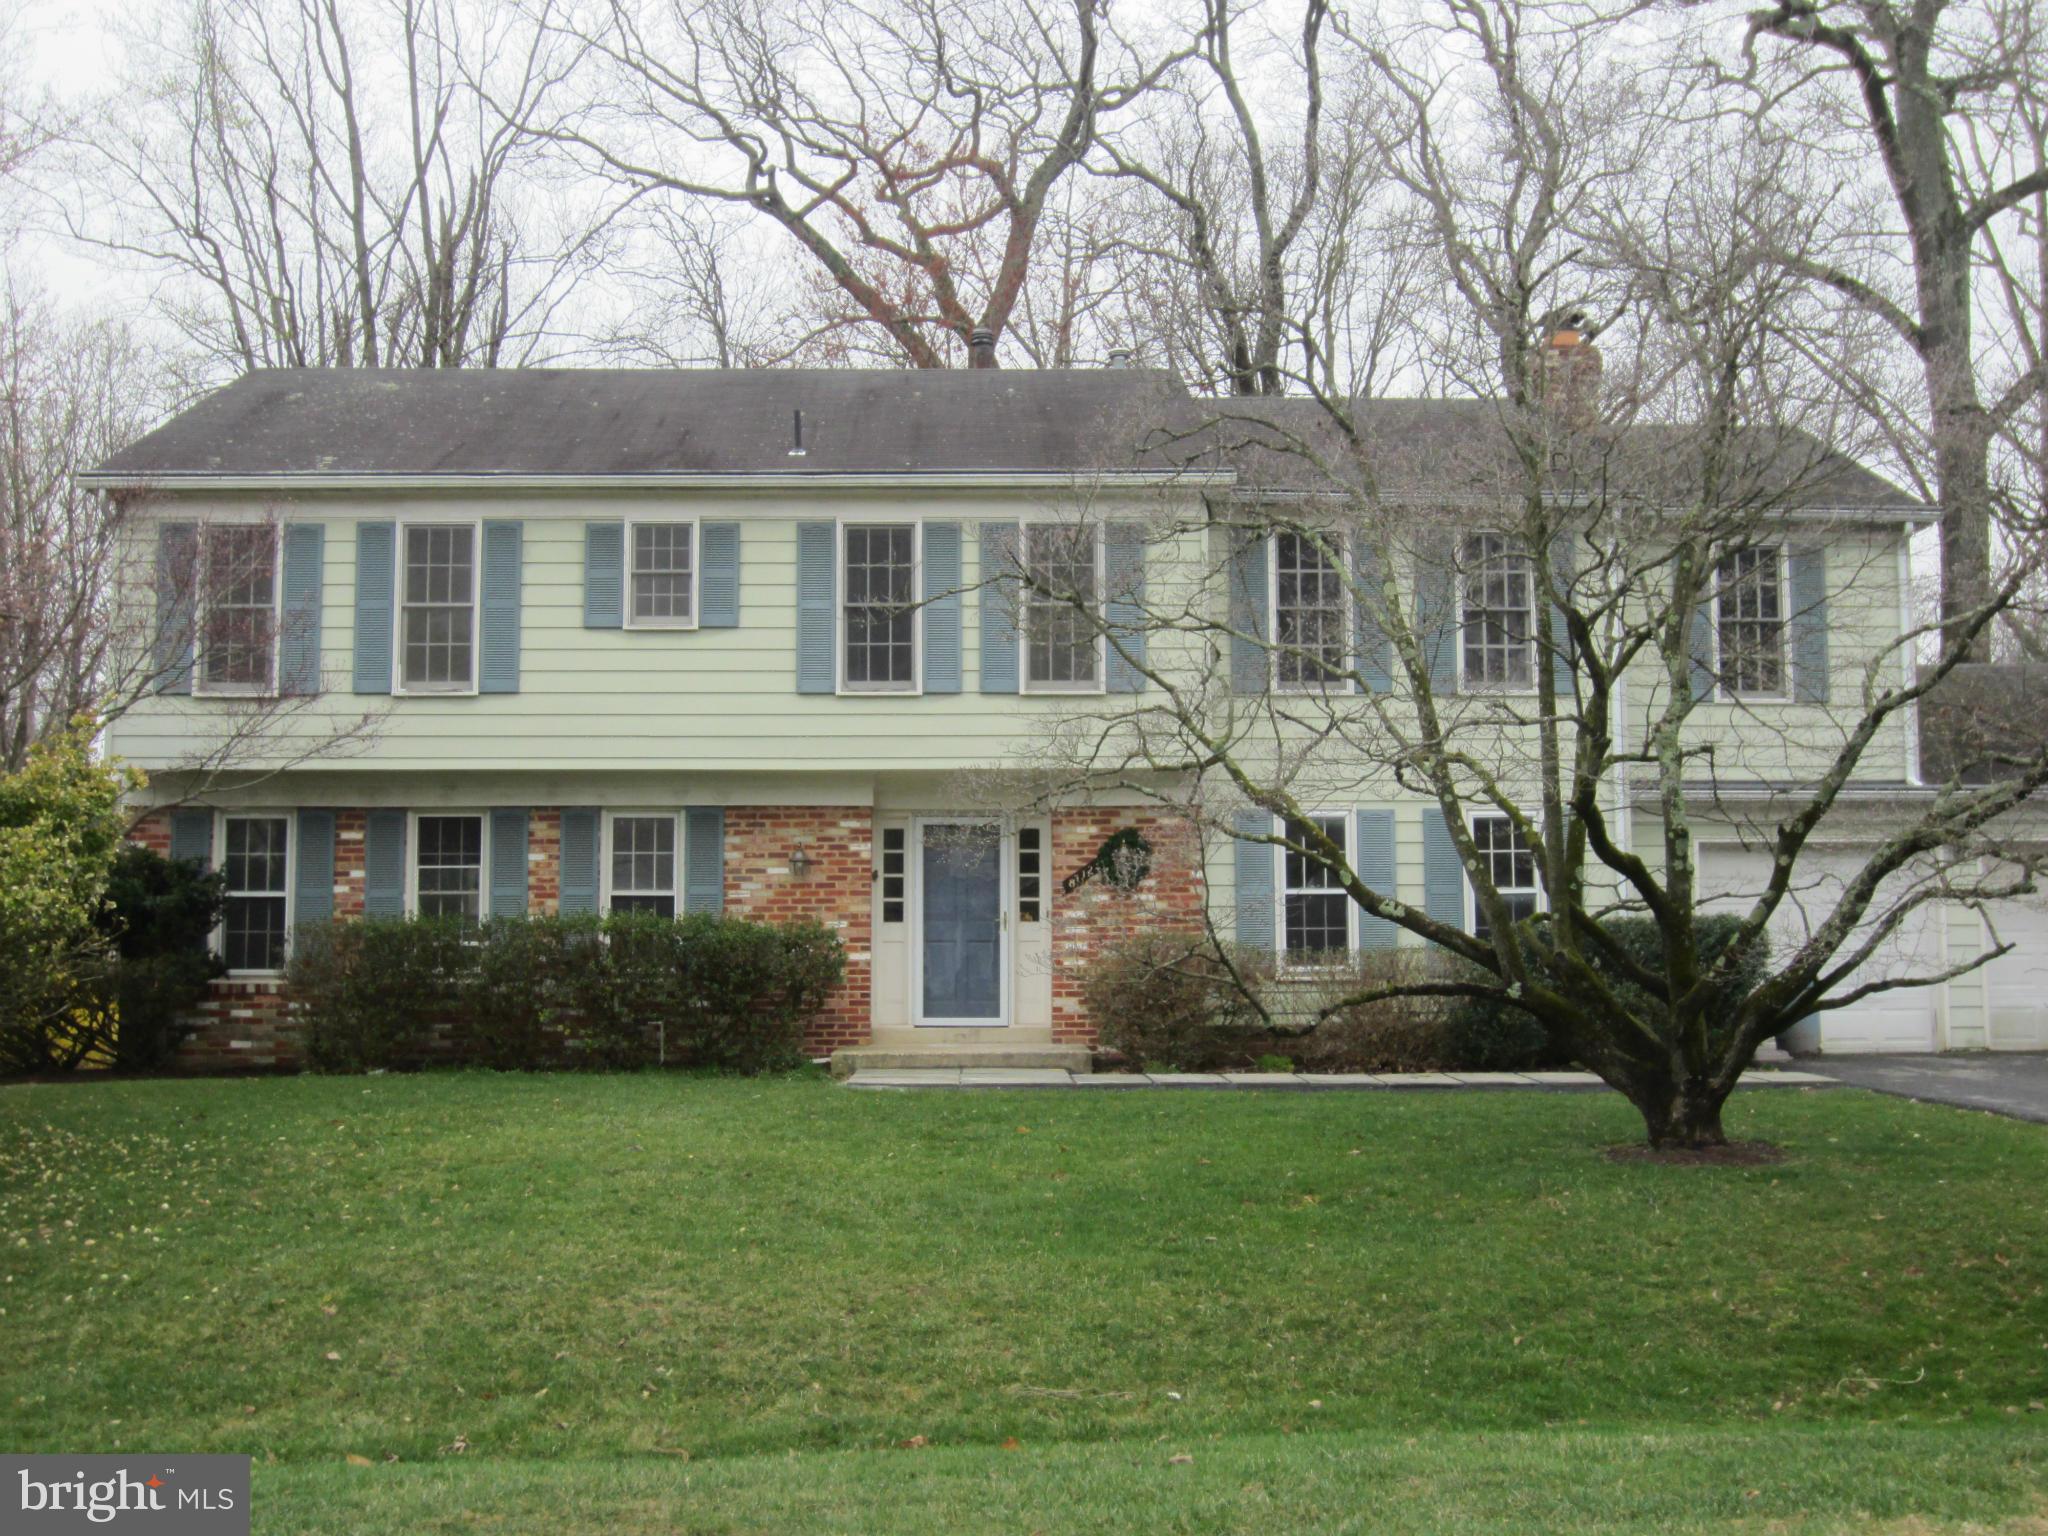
799	862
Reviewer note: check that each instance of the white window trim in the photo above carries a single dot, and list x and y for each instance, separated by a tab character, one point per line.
412	857
1349	821
1472	820
696	575
269	688
916	689
1722	692
476	610
1537	617
1339	683
218	942
1067	690
604	853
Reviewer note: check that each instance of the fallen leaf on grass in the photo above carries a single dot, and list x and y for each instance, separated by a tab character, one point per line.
1013	1444
333	1354
1182	1460
359	1461
914	1443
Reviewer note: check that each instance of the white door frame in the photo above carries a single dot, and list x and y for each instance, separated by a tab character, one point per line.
1006	890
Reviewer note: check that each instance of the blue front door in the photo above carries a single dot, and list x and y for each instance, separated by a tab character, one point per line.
961	913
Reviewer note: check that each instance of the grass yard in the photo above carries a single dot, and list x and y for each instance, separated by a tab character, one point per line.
652	1303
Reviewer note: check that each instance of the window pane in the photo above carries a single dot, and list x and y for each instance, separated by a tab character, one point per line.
451	866
438	623
643	858
1510	868
1315	909
253	867
1499	614
1752	623
238	604
1308	612
665	906
252	933
662	578
880	611
1060	604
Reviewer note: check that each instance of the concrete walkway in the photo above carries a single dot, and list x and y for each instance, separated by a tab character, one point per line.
1297	1082
2015	1085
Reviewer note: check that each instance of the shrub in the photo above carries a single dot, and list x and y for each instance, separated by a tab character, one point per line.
371	992
1388	1034
1638	938
1170	999
158	916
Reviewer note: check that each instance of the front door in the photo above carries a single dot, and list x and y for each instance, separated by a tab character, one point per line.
962	963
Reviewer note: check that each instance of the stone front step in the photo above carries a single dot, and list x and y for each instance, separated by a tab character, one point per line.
891	1058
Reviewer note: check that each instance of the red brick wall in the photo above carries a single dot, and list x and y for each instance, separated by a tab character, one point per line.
839	840
1099	916
544	862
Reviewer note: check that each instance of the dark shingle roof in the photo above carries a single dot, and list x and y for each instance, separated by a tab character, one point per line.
1982	720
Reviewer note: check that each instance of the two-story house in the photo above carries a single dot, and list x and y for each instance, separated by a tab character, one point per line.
534	641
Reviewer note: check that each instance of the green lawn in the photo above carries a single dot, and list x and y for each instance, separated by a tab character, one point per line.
662	1303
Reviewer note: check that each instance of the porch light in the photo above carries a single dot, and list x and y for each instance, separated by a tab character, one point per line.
799	862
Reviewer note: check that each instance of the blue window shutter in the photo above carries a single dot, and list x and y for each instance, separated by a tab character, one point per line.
998	598
1250	564
1699	645
177	591
298	646
719	586
313	874
502	569
192	836
1437	627
1124	570
579	861
1563	564
816	550
508	863
1255	928
384	864
1373	861
1443	875
1809	625
704	858
604	575
1369	635
941	607
376	570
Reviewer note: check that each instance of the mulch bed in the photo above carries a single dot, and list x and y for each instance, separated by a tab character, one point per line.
1733	1154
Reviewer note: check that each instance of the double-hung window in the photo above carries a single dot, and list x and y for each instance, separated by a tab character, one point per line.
238	607
1315	910
1308	611
878	621
1750	623
662	583
1510	868
643	870
448	869
437	608
255	916
1062	636
1499	618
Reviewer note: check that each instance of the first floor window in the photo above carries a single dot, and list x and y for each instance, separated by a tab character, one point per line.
894	869
1510	869
437	615
253	917
1499	614
664	567
1315	910
238	604
450	871
1751	623
644	864
1030	875
1059	607
1308	611
879	584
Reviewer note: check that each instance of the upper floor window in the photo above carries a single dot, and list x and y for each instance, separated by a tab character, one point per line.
437	612
663	577
1510	869
238	608
448	870
1063	644
1750	615
1315	915
255	914
1499	617
1308	611
879	615
643	864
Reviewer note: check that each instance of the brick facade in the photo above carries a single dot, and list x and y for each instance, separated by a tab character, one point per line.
1098	915
839	842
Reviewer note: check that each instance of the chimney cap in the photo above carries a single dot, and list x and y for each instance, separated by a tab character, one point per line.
981	348
1121	357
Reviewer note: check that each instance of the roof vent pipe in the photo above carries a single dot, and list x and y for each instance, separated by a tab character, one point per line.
797	432
981	348
1120	357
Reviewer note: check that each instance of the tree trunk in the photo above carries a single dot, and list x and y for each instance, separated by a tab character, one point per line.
1686	1113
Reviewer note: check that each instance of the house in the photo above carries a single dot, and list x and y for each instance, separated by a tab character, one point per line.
548	640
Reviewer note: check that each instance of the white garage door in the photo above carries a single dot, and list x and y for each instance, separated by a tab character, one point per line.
1899	1020
2016	985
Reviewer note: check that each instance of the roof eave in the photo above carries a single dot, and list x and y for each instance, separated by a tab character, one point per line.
996	479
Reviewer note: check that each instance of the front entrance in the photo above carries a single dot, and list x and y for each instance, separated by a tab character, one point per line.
960	947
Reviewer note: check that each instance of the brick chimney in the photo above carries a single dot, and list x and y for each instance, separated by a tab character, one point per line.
981	348
1568	371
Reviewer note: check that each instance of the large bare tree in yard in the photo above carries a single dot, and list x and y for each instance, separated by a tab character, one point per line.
1942	101
1586	612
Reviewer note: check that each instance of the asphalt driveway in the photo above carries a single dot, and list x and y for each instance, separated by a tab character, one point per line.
2003	1084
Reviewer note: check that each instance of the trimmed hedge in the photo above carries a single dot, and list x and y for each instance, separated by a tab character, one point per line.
630	989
